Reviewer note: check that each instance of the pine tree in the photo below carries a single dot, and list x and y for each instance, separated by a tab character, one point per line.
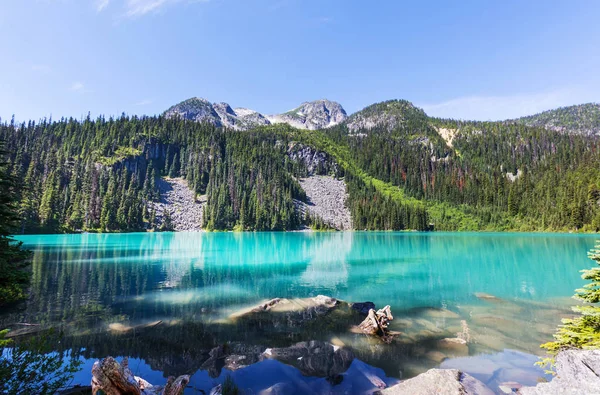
582	331
13	259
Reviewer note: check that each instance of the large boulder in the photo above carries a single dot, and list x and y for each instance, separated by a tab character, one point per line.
577	372
440	381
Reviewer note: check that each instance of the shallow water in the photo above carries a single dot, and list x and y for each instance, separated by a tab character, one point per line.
193	281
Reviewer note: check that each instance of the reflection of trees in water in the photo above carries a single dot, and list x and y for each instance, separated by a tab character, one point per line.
95	280
179	275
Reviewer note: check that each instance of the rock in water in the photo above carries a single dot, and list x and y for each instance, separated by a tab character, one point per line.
440	381
289	312
314	358
577	372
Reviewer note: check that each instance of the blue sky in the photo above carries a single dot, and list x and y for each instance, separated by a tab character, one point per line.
462	59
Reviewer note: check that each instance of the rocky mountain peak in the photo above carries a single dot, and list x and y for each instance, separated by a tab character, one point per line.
389	114
579	119
195	109
318	114
312	115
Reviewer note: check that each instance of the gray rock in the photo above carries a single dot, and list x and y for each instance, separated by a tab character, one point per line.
310	115
316	162
195	109
179	201
327	198
440	381
318	114
577	373
314	358
283	313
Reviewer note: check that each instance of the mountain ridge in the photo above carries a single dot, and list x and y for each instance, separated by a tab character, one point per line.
323	113
317	114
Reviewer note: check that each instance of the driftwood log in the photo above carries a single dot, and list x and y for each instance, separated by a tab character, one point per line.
113	378
376	323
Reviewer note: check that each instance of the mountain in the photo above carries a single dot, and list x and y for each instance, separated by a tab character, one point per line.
319	114
195	109
401	168
389	114
313	115
580	119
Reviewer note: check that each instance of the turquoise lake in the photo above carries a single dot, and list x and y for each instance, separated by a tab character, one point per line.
163	300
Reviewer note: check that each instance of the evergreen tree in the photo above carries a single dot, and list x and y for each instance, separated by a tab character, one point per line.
582	331
13	259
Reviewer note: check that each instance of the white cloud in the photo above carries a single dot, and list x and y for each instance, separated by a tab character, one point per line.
144	102
101	5
77	87
484	108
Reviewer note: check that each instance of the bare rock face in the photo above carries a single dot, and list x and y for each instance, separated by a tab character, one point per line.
440	381
389	115
310	115
577	372
195	109
315	162
318	114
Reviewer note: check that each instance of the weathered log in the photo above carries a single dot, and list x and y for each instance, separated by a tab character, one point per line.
377	322
113	378
176	386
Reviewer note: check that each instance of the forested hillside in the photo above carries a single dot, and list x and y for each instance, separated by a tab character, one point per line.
506	175
99	175
403	170
580	119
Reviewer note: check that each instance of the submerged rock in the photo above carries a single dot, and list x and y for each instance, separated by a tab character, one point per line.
289	311
314	358
440	381
486	296
455	346
577	372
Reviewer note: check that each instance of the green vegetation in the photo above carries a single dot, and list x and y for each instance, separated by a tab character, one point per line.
583	118
33	367
13	260
582	331
99	175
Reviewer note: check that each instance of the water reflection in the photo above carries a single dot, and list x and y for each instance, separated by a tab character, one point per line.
192	282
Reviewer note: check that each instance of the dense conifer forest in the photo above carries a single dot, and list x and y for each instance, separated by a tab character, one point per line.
403	170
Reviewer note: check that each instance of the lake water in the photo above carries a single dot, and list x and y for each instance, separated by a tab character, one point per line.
506	293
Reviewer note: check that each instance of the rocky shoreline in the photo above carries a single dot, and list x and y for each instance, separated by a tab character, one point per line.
342	365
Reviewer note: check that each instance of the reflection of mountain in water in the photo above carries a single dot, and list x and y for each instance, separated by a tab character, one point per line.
328	269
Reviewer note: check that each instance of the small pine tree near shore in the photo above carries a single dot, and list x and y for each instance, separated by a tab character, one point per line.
582	331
